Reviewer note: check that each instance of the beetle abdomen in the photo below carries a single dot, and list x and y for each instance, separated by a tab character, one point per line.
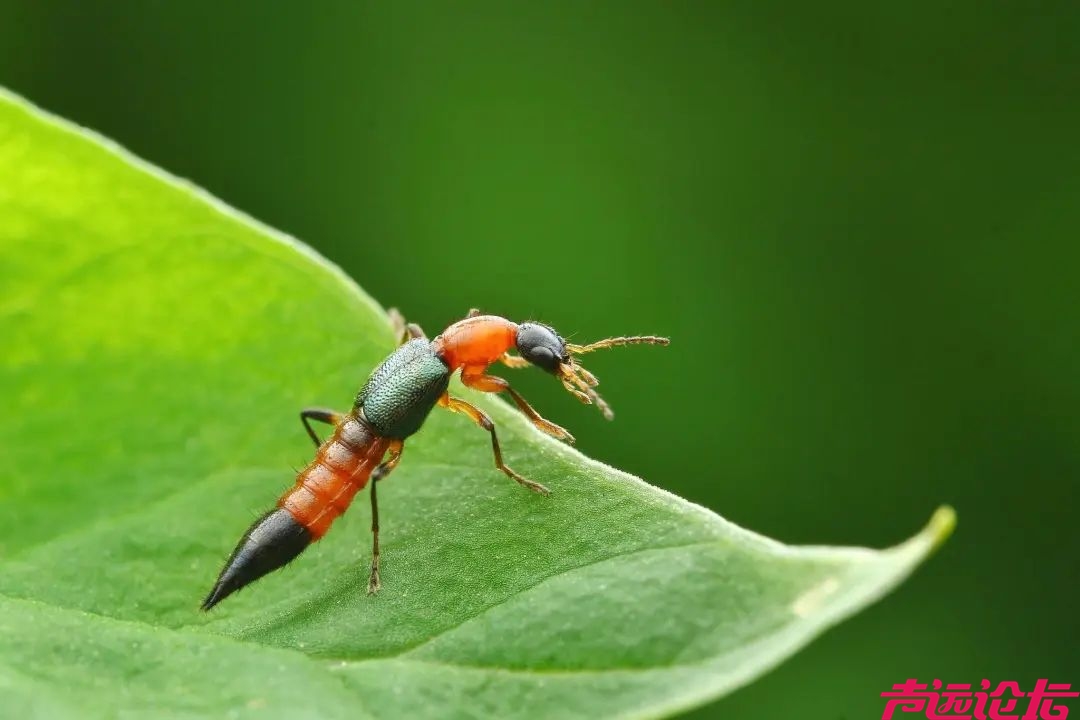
271	542
401	392
322	492
325	488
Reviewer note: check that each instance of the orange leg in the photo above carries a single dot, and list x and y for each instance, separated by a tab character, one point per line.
475	378
480	418
514	361
395	449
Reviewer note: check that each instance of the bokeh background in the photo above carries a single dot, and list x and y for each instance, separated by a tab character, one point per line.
857	221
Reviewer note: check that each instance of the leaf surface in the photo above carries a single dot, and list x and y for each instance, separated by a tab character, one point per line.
157	348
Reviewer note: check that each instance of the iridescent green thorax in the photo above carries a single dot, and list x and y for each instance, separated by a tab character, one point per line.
401	392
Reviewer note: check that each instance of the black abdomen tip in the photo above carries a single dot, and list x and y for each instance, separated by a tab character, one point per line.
274	540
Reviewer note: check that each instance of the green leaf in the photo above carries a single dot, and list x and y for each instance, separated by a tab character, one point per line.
157	348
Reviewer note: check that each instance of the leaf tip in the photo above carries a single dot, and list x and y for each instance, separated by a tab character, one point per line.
941	526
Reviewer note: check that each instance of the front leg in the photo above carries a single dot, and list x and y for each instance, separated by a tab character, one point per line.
514	361
479	417
475	378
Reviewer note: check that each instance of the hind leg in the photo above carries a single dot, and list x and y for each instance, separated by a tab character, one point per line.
395	449
322	415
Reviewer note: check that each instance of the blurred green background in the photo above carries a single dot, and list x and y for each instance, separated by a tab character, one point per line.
857	222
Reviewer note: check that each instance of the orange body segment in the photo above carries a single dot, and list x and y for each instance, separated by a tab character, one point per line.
479	340
341	468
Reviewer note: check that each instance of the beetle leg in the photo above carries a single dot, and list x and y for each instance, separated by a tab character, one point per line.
479	417
513	361
322	415
395	450
475	378
404	330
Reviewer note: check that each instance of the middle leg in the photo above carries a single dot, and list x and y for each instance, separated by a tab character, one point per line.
404	331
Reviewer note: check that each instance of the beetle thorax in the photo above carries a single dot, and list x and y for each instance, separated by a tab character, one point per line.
475	341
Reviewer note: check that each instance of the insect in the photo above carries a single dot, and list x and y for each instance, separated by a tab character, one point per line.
392	405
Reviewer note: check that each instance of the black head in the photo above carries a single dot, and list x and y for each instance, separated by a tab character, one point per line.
541	346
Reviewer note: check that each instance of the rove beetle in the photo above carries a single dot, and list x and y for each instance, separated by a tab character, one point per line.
392	405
